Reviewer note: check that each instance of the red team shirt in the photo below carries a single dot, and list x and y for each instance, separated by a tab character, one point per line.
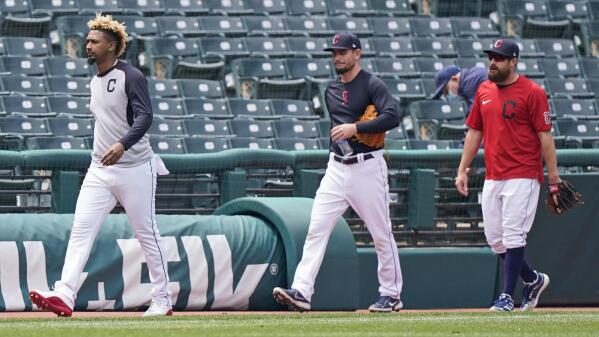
510	118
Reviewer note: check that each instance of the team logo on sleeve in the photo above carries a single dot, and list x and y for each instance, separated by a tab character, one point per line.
547	116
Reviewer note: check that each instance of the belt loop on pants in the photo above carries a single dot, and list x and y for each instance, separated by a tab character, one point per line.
359	158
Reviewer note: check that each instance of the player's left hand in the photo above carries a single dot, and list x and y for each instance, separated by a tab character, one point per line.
343	131
113	154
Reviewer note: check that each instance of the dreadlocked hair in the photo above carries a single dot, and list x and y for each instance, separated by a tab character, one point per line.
117	29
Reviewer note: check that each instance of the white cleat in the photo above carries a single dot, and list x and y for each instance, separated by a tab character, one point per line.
158	309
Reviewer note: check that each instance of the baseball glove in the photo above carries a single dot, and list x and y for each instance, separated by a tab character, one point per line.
376	140
567	197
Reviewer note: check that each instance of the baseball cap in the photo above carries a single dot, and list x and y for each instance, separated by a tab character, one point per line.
442	77
345	40
507	48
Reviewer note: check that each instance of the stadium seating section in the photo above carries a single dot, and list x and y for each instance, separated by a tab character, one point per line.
226	74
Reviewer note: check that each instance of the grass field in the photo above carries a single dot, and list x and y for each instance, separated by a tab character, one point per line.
570	323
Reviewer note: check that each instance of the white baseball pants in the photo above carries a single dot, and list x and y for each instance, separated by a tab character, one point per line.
364	187
509	208
134	188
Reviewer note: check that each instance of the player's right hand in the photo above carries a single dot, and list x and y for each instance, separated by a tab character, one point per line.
461	183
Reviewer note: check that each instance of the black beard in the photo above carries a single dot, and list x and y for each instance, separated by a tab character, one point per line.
341	71
91	60
499	76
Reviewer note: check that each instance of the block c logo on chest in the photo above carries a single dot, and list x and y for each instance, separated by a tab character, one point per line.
111	84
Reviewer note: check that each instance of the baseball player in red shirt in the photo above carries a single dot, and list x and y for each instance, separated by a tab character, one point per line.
511	114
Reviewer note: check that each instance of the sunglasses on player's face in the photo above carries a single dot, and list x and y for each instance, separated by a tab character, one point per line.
497	58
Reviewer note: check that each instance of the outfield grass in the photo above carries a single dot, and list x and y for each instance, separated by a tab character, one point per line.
315	324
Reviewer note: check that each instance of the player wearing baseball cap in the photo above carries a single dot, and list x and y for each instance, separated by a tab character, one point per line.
511	114
361	110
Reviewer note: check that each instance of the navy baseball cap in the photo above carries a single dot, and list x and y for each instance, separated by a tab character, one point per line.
507	48
442	78
345	40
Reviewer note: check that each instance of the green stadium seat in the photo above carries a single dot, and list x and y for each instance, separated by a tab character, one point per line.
574	108
391	7
306	7
310	69
269	7
207	108
222	26
436	119
469	47
406	89
308	46
311	26
529	48
255	108
292	108
251	143
56	143
167	145
75	127
269	47
390	26
250	128
207	128
72	34
594	85
471	62
165	127
265	78
324	127
397	144
163	51
396	46
142	7
571	87
429	26
395	133
198	70
15	8
265	25
292	128
23	65
296	144
590	67
437	46
168	108
69	66
557	47
530	68
186	7
358	26
228	7
473	26
179	26
546	29
221	48
568	10
24	85
349	7
24	126
452	8
513	14
200	88
51	8
206	144
69	105
95	6
567	67
26	105
139	26
391	67
26	46
69	85
590	36
587	132
163	88
38	27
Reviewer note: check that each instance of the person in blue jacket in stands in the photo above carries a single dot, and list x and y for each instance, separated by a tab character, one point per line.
453	83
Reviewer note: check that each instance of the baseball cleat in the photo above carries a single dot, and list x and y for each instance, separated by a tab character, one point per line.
504	303
158	309
292	298
386	304
50	301
532	291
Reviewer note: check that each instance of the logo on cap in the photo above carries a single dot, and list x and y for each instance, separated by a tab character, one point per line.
336	39
498	43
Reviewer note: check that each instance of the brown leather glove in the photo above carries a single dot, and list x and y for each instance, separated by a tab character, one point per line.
375	140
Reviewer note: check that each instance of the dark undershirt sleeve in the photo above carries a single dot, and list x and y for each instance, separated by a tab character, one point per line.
388	117
136	87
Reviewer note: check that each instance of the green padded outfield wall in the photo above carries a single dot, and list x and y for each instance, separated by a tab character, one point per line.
215	262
